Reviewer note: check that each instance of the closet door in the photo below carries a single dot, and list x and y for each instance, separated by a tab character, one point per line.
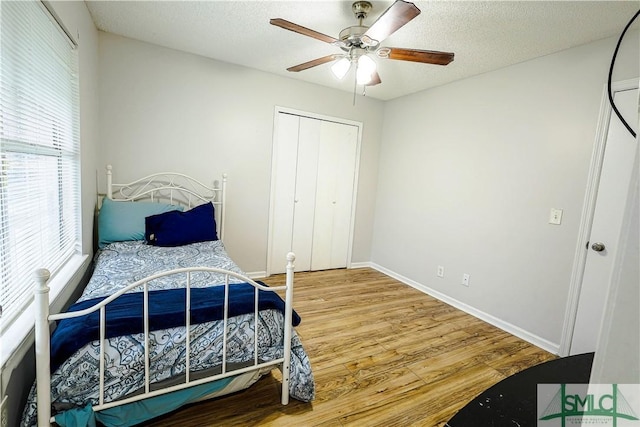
313	176
304	203
295	165
334	195
285	159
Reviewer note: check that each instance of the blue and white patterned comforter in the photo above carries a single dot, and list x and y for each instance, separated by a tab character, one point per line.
76	382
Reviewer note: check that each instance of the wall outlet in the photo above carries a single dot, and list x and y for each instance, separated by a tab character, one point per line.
440	271
465	279
4	413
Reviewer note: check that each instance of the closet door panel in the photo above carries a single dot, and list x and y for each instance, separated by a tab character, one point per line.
345	166
336	168
305	191
285	158
323	219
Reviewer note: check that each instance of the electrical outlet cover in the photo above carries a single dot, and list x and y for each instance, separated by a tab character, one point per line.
465	279
555	216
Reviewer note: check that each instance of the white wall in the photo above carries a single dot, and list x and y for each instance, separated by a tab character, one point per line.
483	161
18	374
163	109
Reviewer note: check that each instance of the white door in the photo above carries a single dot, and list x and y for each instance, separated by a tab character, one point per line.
285	158
617	166
295	165
304	202
312	192
334	195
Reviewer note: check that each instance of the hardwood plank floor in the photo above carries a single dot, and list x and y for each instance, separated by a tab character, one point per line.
383	354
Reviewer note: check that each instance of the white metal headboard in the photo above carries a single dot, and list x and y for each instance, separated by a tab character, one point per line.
174	188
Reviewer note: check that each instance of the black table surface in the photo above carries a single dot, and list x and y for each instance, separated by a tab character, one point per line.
513	401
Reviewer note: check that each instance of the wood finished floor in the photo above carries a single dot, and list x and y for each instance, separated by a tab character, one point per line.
382	353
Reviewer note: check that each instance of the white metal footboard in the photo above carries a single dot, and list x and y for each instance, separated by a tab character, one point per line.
42	337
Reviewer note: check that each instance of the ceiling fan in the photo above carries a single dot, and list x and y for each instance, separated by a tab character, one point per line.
359	41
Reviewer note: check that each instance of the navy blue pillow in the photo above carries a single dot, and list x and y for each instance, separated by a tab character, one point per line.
177	228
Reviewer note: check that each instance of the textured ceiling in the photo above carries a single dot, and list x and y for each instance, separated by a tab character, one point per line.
484	35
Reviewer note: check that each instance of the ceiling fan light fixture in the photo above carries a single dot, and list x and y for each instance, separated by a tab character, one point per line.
366	69
341	67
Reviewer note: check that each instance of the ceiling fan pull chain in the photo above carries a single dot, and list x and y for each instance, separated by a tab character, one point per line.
355	84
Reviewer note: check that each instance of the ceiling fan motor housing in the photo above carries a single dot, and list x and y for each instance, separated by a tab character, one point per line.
352	36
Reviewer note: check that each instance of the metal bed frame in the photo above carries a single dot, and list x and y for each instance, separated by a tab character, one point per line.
177	189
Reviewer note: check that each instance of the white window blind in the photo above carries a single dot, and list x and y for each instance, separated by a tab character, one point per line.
39	151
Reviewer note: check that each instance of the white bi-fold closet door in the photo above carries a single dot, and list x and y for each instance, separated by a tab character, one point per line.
313	188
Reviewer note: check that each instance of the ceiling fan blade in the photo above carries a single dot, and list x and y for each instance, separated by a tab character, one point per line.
313	63
302	30
398	14
416	55
375	79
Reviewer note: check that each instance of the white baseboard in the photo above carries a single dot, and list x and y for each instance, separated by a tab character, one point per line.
499	323
365	264
257	275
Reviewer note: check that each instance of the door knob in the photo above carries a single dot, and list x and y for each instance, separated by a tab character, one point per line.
598	247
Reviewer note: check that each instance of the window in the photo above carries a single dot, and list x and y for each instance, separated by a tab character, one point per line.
39	151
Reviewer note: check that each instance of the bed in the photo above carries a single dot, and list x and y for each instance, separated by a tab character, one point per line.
127	351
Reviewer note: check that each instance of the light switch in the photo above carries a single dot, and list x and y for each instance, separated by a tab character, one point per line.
555	217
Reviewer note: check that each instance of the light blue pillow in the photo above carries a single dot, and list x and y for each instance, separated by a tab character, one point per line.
122	221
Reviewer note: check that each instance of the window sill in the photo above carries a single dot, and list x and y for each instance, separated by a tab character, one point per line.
19	336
